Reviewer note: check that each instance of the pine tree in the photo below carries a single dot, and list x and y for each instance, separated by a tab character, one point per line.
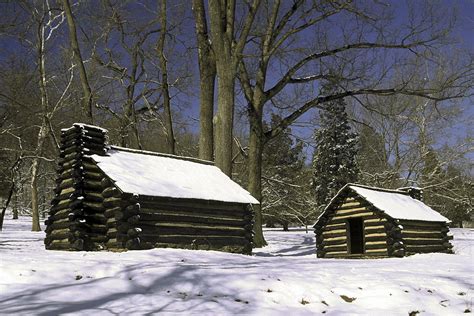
334	161
283	166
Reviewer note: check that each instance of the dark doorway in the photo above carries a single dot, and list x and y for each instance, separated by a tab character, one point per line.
356	236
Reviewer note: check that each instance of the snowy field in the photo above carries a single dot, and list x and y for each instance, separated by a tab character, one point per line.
283	278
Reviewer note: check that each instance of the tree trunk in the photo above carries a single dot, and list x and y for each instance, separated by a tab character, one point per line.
207	72
222	31
170	141
42	134
255	171
2	214
86	89
15	205
224	119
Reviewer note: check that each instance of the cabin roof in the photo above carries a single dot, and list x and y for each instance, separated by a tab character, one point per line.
395	203
161	175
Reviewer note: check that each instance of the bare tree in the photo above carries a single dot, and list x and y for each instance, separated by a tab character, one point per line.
207	72
86	88
354	59
170	140
228	49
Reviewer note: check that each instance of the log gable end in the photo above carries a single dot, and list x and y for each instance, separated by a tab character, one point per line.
352	227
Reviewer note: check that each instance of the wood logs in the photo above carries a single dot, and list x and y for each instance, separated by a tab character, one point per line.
76	219
382	235
145	222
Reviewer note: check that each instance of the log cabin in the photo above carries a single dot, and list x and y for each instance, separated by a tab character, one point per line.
368	222
114	198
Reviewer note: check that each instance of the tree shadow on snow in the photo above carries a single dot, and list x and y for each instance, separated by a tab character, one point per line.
41	301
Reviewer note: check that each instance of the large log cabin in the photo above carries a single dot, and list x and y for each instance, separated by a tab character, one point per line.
367	222
109	197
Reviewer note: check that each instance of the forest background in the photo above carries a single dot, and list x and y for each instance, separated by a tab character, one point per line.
243	83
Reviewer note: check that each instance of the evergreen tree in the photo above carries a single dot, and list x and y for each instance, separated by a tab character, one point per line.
284	199
334	161
372	160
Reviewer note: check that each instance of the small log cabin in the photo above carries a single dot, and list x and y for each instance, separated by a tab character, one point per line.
365	222
109	197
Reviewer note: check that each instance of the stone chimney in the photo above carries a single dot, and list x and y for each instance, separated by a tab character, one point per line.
414	192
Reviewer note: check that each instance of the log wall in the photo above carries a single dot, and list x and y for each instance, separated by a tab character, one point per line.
157	222
383	235
424	237
76	219
332	230
89	212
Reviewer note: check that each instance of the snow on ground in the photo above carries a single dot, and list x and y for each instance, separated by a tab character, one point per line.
282	278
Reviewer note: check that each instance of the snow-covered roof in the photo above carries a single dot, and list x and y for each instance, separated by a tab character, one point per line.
83	125
398	204
152	174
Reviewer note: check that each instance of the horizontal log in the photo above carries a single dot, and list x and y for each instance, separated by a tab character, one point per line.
186	229
334	226
123	215
342	247
63	215
111	192
424	248
93	185
112	202
349	205
374	229
93	196
375	221
376	252
412	223
59	245
70	184
335	254
375	237
423	241
76	134
361	214
333	242
193	218
175	204
110	212
65	224
189	210
111	222
214	240
336	233
422	234
382	246
60	234
351	211
92	175
96	207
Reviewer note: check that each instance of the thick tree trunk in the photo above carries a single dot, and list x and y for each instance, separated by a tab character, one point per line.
170	141
207	72
255	171
86	89
222	28
224	119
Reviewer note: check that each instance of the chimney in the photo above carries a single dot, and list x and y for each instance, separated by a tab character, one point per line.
414	192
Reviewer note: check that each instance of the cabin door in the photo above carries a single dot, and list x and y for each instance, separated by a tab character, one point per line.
356	236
